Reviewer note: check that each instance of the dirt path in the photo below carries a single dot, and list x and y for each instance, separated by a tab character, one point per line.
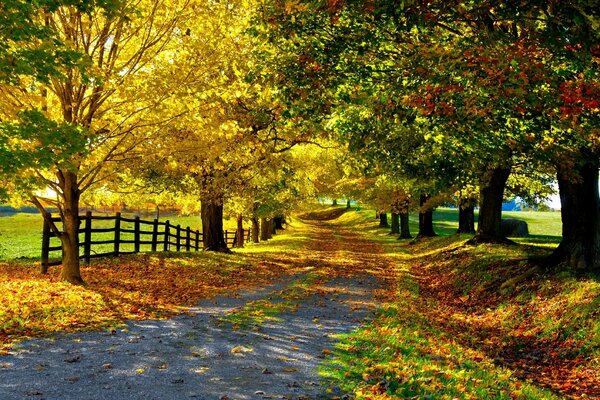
252	345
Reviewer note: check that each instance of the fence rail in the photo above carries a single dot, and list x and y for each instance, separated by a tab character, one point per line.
160	236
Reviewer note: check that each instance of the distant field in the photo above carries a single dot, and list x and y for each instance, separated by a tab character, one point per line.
544	226
21	234
544	223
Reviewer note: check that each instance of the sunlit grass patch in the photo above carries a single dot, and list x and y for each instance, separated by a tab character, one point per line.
474	308
256	313
401	355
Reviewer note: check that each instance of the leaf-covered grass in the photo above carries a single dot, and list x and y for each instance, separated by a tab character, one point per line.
142	286
400	355
473	322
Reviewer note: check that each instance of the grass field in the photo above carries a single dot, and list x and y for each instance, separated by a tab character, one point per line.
544	226
21	234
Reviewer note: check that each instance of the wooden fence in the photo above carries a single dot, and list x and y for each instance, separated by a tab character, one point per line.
160	236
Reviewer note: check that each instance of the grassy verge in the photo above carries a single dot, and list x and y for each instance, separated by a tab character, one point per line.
458	325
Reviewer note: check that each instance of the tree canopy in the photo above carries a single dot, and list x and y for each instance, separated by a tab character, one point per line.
256	105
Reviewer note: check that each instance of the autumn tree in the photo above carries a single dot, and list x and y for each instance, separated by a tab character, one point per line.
493	83
77	125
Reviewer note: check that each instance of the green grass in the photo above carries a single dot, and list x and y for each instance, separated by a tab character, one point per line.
544	226
21	234
401	354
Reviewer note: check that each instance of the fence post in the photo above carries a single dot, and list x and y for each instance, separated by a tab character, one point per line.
154	234
167	233
87	238
117	233
136	234
178	241
45	245
197	240
188	234
226	234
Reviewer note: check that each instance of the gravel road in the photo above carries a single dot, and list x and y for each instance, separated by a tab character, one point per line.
194	355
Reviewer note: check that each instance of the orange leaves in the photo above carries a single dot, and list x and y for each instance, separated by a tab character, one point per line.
536	328
140	287
579	96
33	304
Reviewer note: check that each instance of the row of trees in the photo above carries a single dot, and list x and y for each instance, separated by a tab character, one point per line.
210	101
152	98
455	98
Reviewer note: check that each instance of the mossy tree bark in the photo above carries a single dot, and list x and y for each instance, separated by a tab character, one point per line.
239	233
383	220
466	216
255	230
69	234
264	229
404	226
69	238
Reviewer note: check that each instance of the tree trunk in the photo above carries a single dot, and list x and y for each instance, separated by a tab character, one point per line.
239	236
279	222
264	229
383	221
270	228
490	212
69	237
348	205
404	226
395	224
255	230
580	245
212	226
334	202
425	219
466	216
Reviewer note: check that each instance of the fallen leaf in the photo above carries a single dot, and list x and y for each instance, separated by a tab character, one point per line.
241	349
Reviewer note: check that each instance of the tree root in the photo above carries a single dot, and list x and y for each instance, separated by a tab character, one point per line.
519	278
484	238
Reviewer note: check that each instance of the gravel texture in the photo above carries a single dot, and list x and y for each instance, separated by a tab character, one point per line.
194	355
